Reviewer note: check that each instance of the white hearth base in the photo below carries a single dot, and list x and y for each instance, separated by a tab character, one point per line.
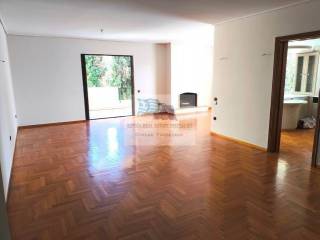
191	110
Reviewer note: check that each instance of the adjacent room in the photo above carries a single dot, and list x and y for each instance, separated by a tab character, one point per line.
159	120
300	106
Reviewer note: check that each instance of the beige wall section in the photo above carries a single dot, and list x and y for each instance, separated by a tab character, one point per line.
244	52
47	75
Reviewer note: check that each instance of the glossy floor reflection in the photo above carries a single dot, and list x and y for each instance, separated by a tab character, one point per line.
88	181
297	143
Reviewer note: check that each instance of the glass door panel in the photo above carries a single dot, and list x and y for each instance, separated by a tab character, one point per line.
109	85
310	73
299	74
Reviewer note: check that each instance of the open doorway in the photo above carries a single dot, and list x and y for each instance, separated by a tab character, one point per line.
294	118
300	97
108	85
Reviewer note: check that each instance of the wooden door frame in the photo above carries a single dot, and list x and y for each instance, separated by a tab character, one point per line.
85	85
278	86
316	139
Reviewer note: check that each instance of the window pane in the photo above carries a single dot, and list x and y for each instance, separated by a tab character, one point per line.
310	76
299	74
109	85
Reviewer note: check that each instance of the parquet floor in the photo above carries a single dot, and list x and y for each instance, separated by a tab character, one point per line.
298	141
88	181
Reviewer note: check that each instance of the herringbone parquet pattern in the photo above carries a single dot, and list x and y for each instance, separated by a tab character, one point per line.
82	181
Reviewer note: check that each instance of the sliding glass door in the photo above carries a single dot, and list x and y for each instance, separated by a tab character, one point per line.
108	85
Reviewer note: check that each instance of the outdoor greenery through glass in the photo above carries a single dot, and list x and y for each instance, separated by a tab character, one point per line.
112	71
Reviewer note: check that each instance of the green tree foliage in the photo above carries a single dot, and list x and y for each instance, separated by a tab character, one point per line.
114	73
121	76
95	70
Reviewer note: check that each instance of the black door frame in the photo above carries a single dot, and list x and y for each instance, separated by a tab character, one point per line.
85	85
278	85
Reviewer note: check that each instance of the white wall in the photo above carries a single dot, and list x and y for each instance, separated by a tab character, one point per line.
47	75
191	71
243	77
8	124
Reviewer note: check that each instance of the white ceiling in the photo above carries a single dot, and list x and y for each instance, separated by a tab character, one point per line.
133	20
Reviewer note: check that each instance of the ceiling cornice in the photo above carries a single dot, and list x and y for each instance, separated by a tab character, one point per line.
265	11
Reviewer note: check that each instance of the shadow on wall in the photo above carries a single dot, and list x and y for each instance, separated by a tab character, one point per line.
4	226
162	72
